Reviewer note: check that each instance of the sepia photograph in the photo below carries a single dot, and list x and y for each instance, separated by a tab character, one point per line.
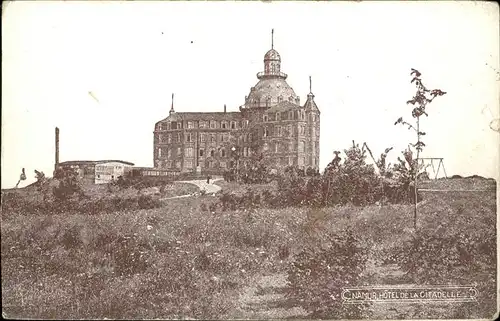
250	160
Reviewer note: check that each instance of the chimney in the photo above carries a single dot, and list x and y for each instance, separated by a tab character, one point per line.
57	147
224	108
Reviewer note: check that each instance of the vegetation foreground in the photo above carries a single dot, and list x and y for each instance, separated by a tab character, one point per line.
188	259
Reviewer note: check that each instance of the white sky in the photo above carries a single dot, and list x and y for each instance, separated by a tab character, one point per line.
133	55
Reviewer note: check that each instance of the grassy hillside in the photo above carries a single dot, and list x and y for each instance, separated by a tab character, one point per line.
182	260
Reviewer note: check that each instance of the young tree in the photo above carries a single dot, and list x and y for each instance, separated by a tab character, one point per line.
422	97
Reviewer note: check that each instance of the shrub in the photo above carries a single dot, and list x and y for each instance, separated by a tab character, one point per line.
68	184
147	202
318	275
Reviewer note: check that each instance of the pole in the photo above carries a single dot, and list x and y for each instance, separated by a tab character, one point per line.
416	175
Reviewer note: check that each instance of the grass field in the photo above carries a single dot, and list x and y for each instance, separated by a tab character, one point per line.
182	261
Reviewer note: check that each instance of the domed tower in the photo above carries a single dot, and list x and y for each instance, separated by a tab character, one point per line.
272	87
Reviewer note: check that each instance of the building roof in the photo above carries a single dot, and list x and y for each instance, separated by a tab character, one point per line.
310	104
271	88
232	115
272	55
90	162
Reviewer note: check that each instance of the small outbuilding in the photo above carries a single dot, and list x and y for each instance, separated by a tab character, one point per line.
98	172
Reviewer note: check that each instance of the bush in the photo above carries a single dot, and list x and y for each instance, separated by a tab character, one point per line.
147	202
68	184
318	275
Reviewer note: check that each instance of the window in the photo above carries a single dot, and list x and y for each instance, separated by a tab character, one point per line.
190	124
177	164
278	130
302	130
276	147
302	146
223	164
160	126
188	152
224	125
266	132
169	126
223	153
179	152
212	153
173	125
290	115
265	118
266	146
169	138
210	164
225	137
188	137
188	163
202	124
202	137
169	164
313	118
245	151
201	152
290	130
169	153
212	138
280	99
233	125
159	151
212	124
278	116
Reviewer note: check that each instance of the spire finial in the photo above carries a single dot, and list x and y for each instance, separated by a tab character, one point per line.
272	38
310	84
172	106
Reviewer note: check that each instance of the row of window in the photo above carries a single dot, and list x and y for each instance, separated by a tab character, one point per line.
190	164
212	124
290	115
268	102
287	131
204	137
282	147
189	152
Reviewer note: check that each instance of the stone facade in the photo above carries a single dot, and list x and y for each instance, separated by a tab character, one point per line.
271	123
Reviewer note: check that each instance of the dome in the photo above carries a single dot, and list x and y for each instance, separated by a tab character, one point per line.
272	55
270	91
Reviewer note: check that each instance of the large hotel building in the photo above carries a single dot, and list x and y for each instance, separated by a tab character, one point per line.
271	124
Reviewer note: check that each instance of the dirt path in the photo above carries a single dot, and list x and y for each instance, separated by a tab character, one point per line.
202	185
264	298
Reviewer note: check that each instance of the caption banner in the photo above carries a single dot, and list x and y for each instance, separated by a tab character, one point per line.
413	294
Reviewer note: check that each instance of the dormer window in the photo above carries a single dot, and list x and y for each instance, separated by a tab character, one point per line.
265	118
160	127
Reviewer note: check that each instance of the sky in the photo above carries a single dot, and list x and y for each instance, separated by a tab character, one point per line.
104	72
